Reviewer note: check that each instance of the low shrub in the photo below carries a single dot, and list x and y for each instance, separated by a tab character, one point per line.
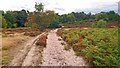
99	24
42	40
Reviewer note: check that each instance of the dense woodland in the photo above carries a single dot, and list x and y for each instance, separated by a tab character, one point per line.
49	19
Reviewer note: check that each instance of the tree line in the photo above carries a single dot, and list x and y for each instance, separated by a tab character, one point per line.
49	19
81	16
13	19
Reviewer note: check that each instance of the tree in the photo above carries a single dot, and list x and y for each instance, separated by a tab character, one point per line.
21	18
90	17
54	24
63	18
44	19
10	17
39	7
102	16
16	18
71	17
112	16
30	21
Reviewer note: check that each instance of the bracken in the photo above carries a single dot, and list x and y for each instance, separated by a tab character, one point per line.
42	40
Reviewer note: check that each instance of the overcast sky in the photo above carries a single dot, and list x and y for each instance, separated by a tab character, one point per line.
62	6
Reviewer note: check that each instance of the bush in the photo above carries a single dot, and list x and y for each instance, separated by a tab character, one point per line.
42	40
55	24
99	24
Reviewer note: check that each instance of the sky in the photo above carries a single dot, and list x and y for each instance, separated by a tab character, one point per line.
62	6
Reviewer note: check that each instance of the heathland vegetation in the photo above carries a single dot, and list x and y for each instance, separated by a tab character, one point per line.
97	46
91	36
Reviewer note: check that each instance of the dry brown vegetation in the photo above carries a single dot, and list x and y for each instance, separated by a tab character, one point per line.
26	31
88	24
42	40
11	45
13	40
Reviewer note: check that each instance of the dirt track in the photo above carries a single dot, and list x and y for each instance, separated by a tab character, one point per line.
55	55
30	55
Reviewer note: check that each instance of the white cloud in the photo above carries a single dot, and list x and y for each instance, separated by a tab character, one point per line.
16	4
60	6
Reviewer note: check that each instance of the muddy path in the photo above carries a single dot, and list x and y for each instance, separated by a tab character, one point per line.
55	55
30	55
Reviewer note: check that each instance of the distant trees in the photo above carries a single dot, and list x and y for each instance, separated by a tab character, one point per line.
76	17
63	18
10	17
81	16
112	16
108	16
71	17
99	20
13	19
102	16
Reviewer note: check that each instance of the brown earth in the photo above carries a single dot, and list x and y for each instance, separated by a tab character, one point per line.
13	40
11	46
88	25
29	55
26	31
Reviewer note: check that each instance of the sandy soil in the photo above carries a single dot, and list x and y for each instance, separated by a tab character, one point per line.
55	55
11	44
16	44
29	55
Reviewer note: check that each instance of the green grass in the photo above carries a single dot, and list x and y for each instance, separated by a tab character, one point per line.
97	46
